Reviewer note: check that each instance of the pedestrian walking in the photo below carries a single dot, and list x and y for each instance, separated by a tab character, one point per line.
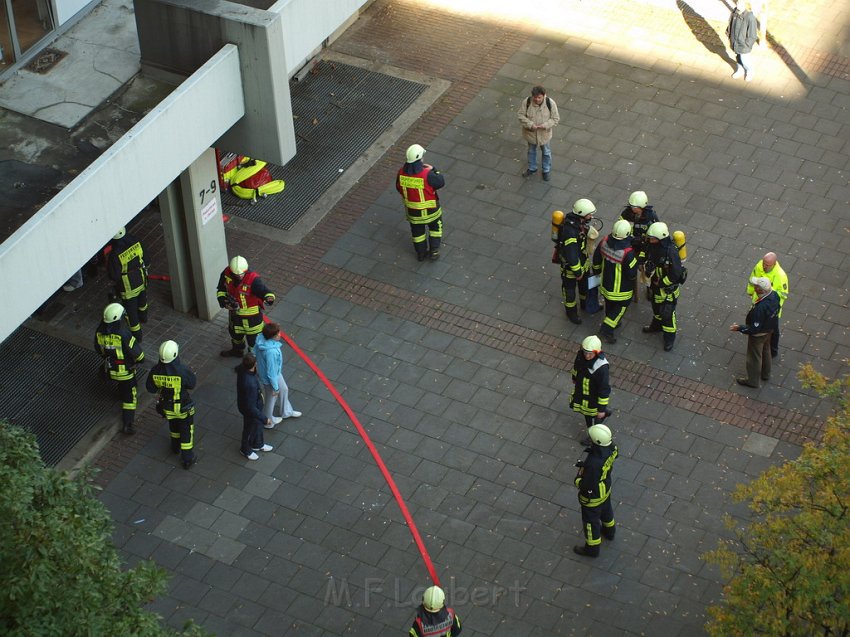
171	380
640	215
571	254
594	491
121	353
433	617
269	351
538	115
769	268
418	183
591	386
244	295
249	400
743	34
759	326
128	270
664	265
616	263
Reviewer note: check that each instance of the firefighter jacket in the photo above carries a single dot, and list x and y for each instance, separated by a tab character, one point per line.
119	348
591	387
762	317
778	281
244	296
639	227
126	266
594	475
172	381
572	247
664	266
616	260
443	623
417	183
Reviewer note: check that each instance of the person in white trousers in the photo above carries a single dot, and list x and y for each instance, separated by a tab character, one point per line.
268	350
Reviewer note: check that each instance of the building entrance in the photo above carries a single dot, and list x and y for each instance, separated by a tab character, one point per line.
23	23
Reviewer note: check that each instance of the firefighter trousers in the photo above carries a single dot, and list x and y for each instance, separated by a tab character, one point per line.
182	430
614	313
568	290
597	521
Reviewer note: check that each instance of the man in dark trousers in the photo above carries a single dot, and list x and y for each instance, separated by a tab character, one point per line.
616	261
433	618
759	327
249	400
640	215
121	353
664	266
571	253
172	380
127	268
243	294
418	183
594	491
591	387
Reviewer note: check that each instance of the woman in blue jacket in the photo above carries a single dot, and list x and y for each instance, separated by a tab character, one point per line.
268	349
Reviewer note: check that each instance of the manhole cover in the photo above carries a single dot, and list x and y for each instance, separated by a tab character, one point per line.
45	60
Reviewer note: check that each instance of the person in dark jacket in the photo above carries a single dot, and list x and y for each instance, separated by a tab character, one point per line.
594	491
249	400
571	254
418	183
591	387
664	265
743	34
761	322
128	270
616	261
172	380
434	618
640	215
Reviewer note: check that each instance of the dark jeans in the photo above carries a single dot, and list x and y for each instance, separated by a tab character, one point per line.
252	434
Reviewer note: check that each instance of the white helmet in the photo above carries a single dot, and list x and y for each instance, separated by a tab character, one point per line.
592	344
113	312
658	230
238	265
622	229
583	208
168	351
433	599
414	153
600	435
638	199
120	233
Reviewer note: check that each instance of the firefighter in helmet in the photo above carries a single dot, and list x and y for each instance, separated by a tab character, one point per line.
594	491
640	216
664	265
417	183
128	270
434	618
121	352
591	386
616	261
571	254
243	294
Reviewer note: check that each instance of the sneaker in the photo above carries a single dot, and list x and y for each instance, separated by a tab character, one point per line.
276	420
251	456
265	448
738	74
269	425
546	177
529	173
294	414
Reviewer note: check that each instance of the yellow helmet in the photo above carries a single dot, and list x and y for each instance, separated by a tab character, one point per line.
113	312
120	233
658	230
600	435
433	599
168	351
592	344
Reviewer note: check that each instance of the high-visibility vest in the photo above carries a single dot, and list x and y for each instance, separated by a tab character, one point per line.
417	193
249	303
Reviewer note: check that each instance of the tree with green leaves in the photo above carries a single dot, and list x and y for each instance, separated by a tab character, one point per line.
60	572
788	570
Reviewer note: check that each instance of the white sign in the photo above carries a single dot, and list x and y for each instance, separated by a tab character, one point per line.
209	210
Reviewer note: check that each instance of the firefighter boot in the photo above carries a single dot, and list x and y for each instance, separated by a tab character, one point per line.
586	551
572	314
669	339
609	532
654	326
128	428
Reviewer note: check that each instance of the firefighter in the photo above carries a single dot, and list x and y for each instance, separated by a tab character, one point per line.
243	294
572	255
417	183
615	259
640	215
591	387
434	618
121	352
664	266
594	491
171	381
128	270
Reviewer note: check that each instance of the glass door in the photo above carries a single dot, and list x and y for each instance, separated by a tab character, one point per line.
23	23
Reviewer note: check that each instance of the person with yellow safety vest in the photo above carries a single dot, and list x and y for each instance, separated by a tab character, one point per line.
243	294
171	380
664	265
418	183
640	216
121	352
616	261
571	253
433	617
591	385
594	491
769	268
127	268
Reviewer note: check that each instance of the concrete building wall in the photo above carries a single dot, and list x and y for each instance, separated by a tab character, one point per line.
64	10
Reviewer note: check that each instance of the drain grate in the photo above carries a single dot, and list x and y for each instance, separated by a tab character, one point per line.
46	60
340	111
52	389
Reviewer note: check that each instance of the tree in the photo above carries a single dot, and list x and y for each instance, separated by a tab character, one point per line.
788	570
60	573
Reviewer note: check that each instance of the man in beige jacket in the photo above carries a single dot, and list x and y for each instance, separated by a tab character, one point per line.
538	115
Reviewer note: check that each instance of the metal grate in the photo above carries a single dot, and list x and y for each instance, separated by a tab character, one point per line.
52	389
340	111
